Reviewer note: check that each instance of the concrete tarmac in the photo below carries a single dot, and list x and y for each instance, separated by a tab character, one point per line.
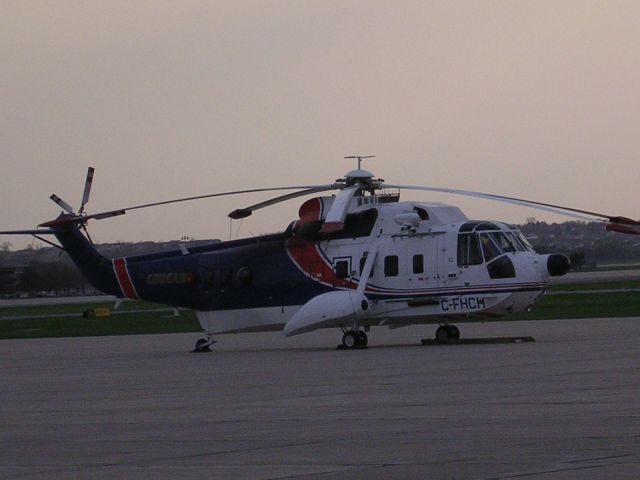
264	407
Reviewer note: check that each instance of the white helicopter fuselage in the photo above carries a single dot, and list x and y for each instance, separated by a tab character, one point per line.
430	265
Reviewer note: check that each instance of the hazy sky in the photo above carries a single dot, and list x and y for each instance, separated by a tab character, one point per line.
537	99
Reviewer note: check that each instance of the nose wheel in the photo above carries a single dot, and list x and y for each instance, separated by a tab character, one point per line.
447	332
354	339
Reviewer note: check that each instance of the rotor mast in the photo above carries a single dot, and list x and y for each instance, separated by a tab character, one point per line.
359	158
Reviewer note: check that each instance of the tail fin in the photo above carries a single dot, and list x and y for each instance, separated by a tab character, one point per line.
96	268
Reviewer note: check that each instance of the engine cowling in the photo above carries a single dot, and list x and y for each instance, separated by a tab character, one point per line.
331	309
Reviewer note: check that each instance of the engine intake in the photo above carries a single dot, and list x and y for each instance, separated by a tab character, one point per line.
558	265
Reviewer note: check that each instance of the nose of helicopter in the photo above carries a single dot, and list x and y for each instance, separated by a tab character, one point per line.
558	265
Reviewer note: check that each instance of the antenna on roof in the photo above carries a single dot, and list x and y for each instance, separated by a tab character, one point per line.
360	158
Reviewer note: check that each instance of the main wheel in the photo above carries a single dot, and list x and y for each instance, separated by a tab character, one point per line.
442	333
363	340
454	332
350	339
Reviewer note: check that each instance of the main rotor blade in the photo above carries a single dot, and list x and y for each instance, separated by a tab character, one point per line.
38	231
549	207
247	211
122	211
87	189
64	205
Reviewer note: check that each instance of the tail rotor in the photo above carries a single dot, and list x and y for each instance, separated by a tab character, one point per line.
85	196
78	217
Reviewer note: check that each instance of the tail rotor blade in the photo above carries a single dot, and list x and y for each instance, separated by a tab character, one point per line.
87	189
64	205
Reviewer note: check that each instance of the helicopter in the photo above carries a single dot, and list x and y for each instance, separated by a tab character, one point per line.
353	260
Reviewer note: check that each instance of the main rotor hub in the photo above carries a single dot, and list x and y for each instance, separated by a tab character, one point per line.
363	178
358	175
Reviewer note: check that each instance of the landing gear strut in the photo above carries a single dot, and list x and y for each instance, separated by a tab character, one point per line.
354	339
204	344
447	332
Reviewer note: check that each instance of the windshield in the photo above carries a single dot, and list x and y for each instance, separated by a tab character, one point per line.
497	243
491	240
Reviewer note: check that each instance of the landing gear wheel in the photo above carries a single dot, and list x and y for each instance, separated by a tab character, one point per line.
447	332
454	332
202	345
354	339
442	334
350	340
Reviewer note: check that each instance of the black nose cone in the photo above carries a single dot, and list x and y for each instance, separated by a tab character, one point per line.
558	265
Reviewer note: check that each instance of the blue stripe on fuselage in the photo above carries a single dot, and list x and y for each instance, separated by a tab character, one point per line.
208	277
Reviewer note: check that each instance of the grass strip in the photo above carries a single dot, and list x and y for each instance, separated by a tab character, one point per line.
124	324
605	304
620	304
576	287
35	310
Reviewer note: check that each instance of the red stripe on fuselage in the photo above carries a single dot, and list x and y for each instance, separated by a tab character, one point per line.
124	279
307	255
309	258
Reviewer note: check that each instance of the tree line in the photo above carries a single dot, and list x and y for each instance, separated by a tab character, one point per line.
56	277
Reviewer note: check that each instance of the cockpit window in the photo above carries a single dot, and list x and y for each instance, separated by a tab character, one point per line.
490	239
515	241
523	240
501	268
468	250
489	247
502	240
497	243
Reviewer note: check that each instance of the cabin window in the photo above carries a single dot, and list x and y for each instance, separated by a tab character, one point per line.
468	250
363	261
342	268
418	264
391	266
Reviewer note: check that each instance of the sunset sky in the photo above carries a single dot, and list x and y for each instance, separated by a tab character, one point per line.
538	100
